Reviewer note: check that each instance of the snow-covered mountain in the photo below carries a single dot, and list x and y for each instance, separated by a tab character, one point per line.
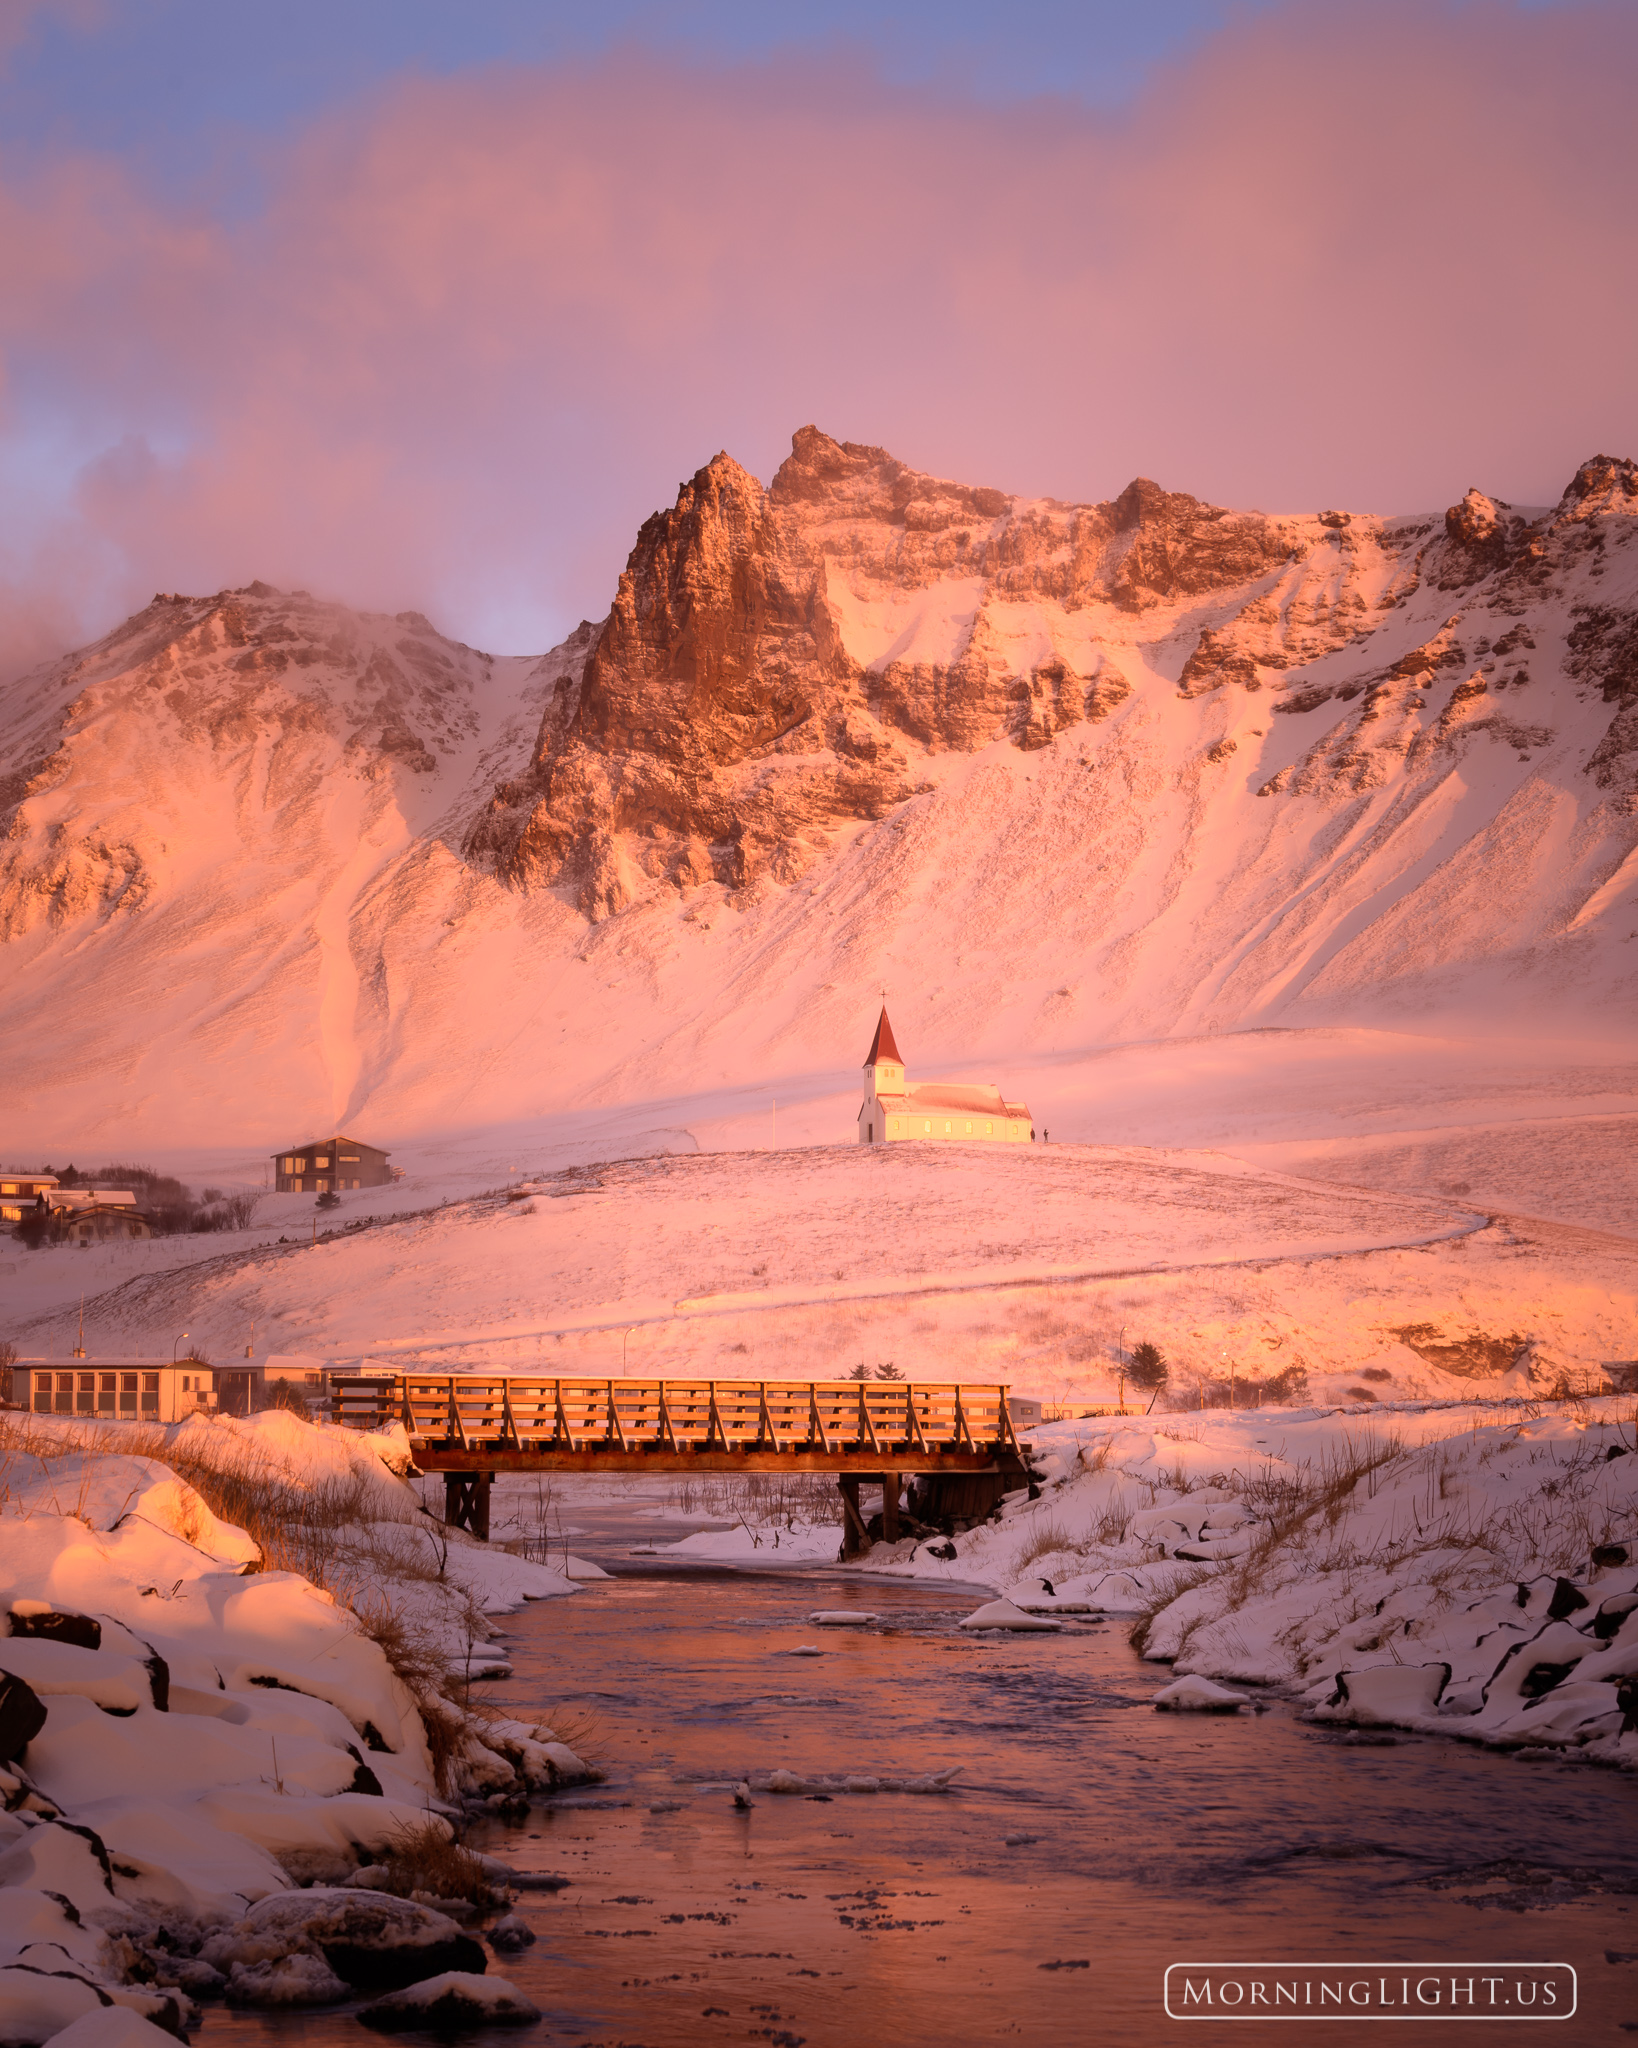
1059	776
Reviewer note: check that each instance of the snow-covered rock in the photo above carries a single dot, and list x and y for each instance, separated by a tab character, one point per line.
113	2026
1386	1693
1002	1614
453	2003
287	1980
1198	1696
372	1940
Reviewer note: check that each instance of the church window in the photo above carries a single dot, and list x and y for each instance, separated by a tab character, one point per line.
927	1126
969	1127
870	1134
946	1127
989	1129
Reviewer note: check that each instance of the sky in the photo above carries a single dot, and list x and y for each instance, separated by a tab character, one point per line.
425	306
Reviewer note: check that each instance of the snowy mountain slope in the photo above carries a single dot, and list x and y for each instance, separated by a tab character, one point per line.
1061	777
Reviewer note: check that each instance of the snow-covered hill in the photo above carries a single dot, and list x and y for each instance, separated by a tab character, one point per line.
1061	777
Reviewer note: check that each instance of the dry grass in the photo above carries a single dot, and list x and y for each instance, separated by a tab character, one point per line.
424	1859
1138	1635
1047	1541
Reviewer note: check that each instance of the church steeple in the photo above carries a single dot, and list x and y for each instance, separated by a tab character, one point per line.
884	1066
882	1046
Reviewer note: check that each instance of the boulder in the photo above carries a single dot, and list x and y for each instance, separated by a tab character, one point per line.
1199	1696
1387	1694
1002	1614
371	1939
450	2004
21	1716
112	2027
285	1981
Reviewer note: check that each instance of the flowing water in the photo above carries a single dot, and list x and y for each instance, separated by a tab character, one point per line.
1089	1842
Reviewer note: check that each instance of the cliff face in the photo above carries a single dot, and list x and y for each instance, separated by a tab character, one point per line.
774	659
780	664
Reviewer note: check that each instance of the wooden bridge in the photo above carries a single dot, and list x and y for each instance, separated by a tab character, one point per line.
959	1438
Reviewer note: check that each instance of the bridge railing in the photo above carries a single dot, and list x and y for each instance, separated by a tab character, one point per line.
584	1413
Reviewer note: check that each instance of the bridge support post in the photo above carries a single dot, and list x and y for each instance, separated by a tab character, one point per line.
890	1507
855	1537
466	1502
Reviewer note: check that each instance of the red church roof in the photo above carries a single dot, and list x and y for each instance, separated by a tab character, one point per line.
882	1046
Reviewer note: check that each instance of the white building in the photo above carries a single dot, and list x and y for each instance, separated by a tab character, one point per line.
948	1111
116	1389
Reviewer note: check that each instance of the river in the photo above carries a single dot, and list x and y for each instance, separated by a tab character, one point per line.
1088	1843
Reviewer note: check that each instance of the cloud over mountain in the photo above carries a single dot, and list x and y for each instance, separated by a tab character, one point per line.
440	360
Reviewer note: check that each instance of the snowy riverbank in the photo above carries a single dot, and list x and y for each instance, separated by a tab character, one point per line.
187	1729
1470	1568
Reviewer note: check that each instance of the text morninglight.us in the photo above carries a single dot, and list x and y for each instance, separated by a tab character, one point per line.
1370	1991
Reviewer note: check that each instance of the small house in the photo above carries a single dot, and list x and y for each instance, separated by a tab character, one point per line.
117	1389
103	1223
330	1166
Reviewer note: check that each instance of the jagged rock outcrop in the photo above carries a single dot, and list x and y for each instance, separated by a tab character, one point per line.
737	705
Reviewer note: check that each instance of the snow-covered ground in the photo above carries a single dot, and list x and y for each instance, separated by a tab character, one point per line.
1026	1266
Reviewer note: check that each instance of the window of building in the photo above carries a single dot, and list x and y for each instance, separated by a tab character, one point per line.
187	1382
989	1128
927	1127
107	1382
969	1127
150	1383
348	1158
322	1165
946	1127
322	1184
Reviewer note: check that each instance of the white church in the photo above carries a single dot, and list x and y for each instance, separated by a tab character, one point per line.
944	1110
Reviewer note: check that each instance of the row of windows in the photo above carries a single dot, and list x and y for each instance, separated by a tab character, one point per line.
90	1382
109	1393
904	1126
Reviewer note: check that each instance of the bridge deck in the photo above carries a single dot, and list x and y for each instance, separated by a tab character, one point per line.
472	1422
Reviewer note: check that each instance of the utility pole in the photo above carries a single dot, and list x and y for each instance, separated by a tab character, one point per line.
776	1123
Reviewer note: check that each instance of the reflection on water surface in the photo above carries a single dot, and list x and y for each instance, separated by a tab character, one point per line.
1090	1842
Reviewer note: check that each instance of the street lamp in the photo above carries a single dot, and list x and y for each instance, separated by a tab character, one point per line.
180	1340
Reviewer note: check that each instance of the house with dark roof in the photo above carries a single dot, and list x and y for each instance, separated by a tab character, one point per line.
950	1112
330	1166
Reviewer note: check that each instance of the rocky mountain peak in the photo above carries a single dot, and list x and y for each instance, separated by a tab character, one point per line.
776	661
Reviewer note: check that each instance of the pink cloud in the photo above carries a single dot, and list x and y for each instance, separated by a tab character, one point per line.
1359	256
